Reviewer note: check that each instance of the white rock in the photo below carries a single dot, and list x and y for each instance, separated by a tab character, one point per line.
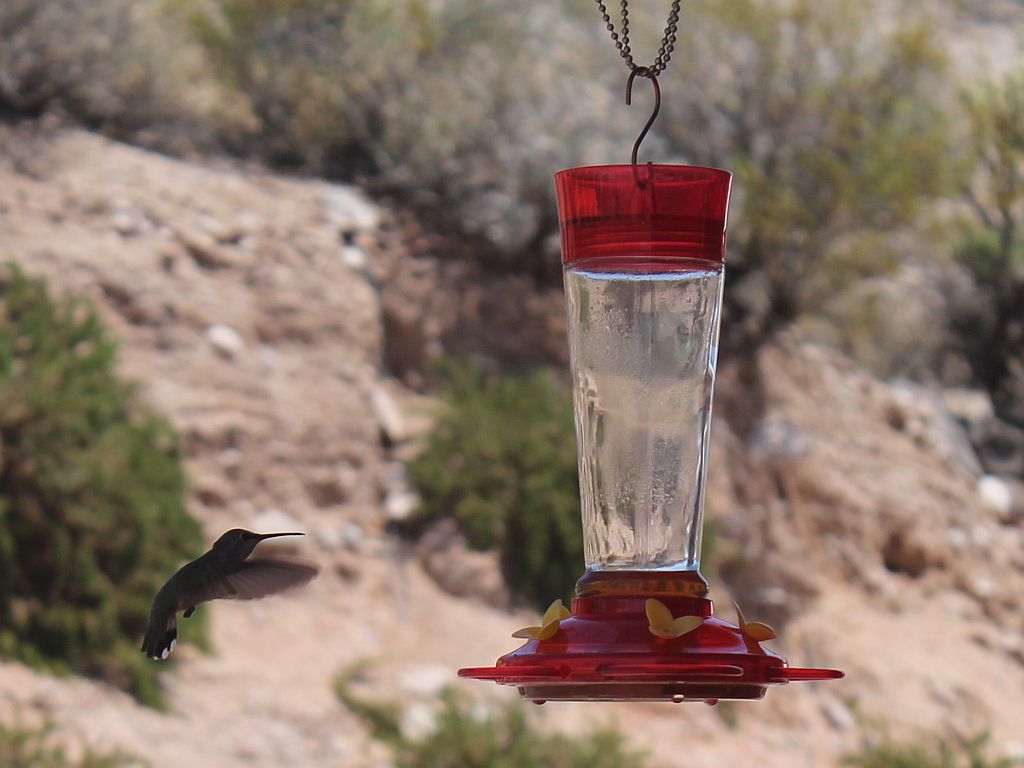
354	257
982	587
332	538
124	223
352	535
274	521
225	340
329	538
774	596
389	415
958	537
399	505
349	209
1004	495
781	439
995	493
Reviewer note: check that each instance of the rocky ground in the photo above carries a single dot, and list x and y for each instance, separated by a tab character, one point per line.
258	313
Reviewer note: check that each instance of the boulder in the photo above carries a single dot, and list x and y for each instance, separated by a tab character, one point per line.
922	414
458	570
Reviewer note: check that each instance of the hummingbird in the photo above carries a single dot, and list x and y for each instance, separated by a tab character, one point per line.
223	573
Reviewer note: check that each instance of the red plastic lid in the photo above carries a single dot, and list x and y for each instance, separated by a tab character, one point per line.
642	217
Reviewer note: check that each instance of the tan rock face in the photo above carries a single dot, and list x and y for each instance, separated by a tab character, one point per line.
231	303
845	516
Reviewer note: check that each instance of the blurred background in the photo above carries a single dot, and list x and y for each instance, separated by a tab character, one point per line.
293	265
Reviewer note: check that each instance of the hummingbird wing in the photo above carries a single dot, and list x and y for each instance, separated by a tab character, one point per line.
253	579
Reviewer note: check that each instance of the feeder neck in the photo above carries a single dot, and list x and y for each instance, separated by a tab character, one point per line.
598	583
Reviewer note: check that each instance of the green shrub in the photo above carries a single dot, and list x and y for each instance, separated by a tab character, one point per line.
937	752
502	462
505	739
22	747
92	509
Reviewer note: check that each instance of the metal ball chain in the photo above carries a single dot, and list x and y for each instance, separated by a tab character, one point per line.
668	42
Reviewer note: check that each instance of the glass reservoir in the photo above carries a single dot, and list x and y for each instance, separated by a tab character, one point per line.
642	262
643	349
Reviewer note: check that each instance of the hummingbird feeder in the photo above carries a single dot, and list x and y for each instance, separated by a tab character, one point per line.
643	249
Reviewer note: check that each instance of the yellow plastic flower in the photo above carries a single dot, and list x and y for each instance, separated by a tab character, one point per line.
662	623
549	625
755	630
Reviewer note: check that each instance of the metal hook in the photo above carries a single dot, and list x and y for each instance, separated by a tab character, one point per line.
643	72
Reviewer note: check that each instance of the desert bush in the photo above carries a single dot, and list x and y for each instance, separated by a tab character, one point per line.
937	752
502	463
106	62
34	747
825	111
467	108
992	247
507	739
92	510
464	738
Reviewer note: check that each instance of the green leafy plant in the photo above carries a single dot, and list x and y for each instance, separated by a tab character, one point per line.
33	747
506	738
92	508
937	752
502	463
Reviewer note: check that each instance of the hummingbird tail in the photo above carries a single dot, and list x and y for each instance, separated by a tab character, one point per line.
160	640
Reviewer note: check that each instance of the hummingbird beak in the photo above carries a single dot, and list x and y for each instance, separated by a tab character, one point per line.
264	536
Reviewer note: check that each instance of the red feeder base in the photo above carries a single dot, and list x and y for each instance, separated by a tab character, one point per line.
607	650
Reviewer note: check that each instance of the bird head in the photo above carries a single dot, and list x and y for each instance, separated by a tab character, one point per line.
239	543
